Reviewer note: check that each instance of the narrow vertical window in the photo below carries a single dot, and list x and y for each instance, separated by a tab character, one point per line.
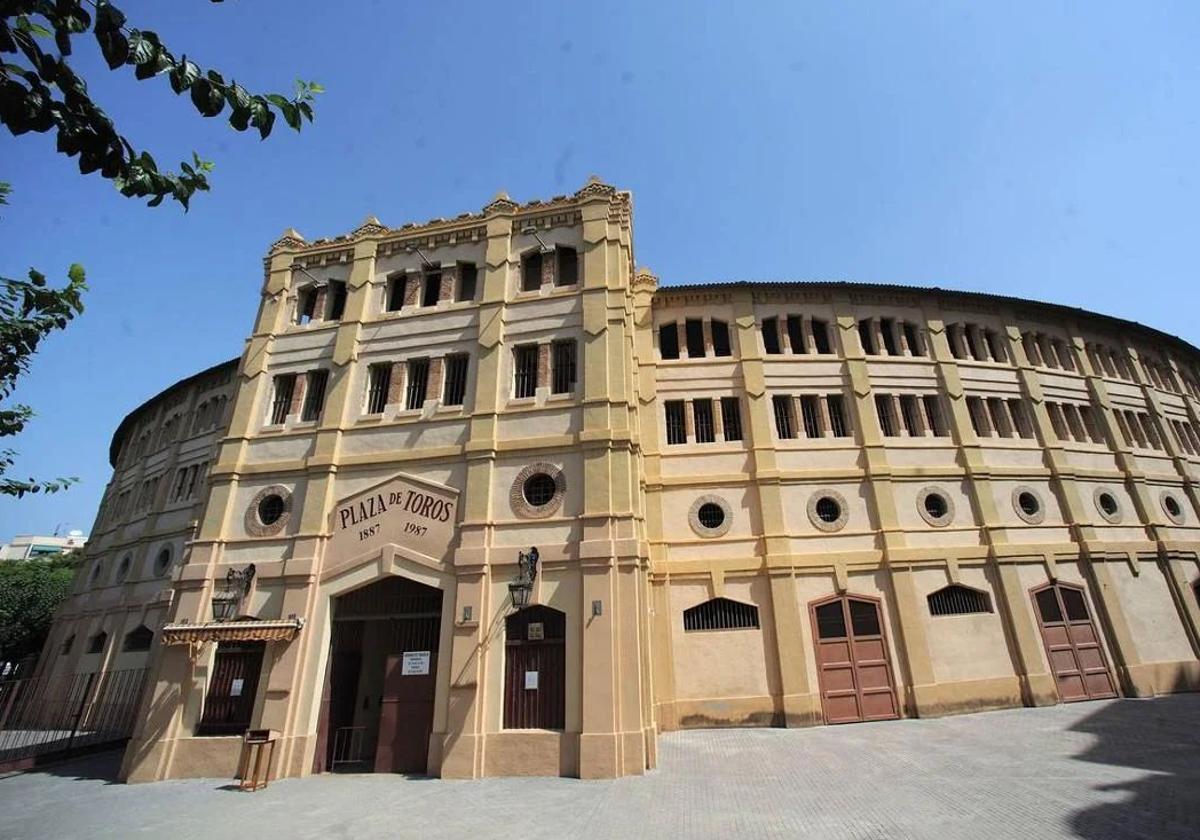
887	328
810	415
1148	429
525	365
887	417
979	418
1074	422
314	395
720	338
418	384
337	300
285	384
770	333
676	430
998	411
702	416
468	277
431	287
995	346
820	331
567	265
795	333
867	338
668	341
306	305
1057	422
785	421
910	415
378	379
910	336
395	293
731	418
693	330
563	367
454	388
839	425
1020	416
531	272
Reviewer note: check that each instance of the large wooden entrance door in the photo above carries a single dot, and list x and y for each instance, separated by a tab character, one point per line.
853	662
1072	644
406	707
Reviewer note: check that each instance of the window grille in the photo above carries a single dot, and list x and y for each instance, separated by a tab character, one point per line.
958	600
720	339
770	333
525	368
395	293
314	395
784	416
910	414
378	380
455	387
820	331
418	384
693	330
531	272
567	266
431	288
887	416
468	278
720	614
731	418
676	430
563	364
795	332
668	341
702	414
285	384
226	712
810	415
838	423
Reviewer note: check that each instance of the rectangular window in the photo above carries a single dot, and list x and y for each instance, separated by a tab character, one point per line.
676	430
567	265
702	417
431	288
995	346
395	292
454	387
910	415
314	395
1150	432
531	272
820	331
525	369
785	420
887	328
887	416
693	330
867	337
810	416
306	305
839	424
979	418
180	484
731	418
378	379
563	367
285	385
1057	422
418	384
468	277
910	336
770	333
668	341
997	410
1020	417
720	339
229	700
1066	359
337	300
795	332
1074	422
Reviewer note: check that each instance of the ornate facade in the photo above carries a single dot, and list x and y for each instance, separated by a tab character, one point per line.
753	504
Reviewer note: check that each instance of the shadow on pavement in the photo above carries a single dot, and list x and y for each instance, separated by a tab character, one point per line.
99	766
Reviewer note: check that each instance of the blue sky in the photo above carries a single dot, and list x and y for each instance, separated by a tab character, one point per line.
1047	150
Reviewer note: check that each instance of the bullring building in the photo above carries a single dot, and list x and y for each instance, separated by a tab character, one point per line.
752	504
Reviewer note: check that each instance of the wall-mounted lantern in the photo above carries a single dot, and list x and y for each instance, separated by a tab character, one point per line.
226	601
521	588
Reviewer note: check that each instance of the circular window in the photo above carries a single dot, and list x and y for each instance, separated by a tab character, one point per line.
827	510
1028	505
935	506
269	511
162	562
537	491
1107	504
1172	507
710	516
123	568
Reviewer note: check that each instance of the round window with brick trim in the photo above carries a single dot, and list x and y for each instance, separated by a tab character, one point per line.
710	516
828	511
539	489
1172	507
1108	506
269	511
1027	503
935	507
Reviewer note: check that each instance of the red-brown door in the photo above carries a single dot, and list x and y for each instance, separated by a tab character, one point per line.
1072	644
406	708
853	662
229	701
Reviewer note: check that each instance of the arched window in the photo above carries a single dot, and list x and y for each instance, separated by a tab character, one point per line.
138	639
96	642
535	673
720	614
958	600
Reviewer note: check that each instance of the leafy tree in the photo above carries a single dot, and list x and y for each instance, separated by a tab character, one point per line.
30	591
40	92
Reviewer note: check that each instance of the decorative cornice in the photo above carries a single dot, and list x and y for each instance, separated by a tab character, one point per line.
371	226
291	240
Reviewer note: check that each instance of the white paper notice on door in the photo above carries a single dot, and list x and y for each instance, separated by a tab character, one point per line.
531	678
235	689
414	663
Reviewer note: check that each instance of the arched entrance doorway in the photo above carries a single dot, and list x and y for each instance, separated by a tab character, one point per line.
1072	644
378	698
853	663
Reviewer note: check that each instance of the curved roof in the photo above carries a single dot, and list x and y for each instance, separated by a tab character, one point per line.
131	417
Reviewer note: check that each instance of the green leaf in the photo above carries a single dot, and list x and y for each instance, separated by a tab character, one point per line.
291	114
113	46
184	75
206	98
76	273
141	49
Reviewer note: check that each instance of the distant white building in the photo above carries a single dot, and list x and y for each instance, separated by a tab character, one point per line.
28	547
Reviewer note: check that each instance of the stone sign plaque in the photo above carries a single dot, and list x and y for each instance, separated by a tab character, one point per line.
403	512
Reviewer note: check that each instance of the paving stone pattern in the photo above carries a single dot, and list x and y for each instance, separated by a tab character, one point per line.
1105	770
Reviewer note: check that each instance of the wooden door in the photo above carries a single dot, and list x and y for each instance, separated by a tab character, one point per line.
853	660
229	700
1072	644
406	707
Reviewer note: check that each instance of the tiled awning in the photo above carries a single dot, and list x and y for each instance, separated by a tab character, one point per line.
280	630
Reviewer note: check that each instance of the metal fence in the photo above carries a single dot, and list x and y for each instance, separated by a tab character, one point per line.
44	718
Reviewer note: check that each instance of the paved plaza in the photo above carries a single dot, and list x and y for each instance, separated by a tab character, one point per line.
1107	769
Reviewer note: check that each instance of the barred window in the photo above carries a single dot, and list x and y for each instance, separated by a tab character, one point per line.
720	614
676	429
887	415
702	415
418	384
785	420
839	425
910	414
770	333
668	341
958	600
820	331
378	380
731	418
720	338
454	388
525	370
810	415
285	385
468	276
431	287
563	367
314	395
531	271
795	333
